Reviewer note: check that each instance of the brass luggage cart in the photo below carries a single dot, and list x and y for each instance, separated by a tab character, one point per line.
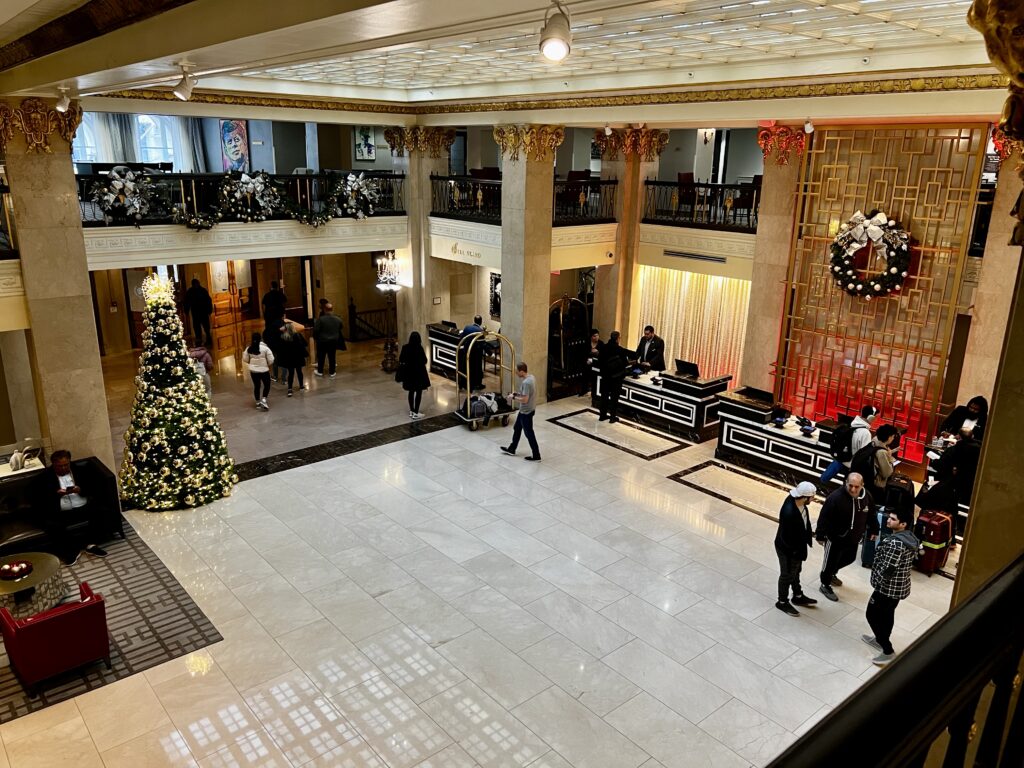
475	409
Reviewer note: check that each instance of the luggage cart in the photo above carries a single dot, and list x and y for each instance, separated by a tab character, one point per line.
506	371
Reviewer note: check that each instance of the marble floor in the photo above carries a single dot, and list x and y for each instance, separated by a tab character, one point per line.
434	602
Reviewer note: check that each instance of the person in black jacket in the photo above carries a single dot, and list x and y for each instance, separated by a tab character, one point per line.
199	304
412	372
845	515
613	363
291	354
62	499
972	416
792	543
650	352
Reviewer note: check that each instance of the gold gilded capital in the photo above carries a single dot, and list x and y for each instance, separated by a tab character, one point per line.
37	121
781	140
1001	23
538	142
645	143
395	137
420	138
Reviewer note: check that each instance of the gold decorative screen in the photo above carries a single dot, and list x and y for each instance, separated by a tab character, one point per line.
838	352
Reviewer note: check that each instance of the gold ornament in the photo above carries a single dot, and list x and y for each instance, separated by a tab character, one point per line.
782	140
1001	23
37	121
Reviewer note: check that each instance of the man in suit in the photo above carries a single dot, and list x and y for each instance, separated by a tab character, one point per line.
64	502
650	352
612	363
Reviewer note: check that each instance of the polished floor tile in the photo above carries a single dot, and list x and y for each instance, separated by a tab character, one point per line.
410	663
499	672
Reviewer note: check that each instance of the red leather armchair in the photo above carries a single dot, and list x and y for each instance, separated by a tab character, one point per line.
57	640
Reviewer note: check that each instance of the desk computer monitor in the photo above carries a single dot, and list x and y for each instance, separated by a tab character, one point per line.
449	324
686	368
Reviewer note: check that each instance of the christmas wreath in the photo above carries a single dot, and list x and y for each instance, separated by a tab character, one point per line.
249	198
359	195
125	196
197	221
888	242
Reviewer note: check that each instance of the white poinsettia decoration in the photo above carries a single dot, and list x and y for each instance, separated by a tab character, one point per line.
128	194
359	195
250	197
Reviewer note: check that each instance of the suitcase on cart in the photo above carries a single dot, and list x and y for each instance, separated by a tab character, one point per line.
899	493
934	530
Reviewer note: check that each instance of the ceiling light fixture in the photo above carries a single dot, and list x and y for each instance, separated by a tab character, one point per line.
63	101
183	90
555	35
808	126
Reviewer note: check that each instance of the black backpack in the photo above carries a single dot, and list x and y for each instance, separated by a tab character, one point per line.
864	463
841	446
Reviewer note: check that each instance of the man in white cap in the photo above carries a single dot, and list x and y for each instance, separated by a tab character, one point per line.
792	542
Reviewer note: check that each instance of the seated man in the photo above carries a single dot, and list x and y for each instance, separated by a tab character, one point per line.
63	503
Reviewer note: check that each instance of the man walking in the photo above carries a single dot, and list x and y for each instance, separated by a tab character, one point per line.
890	577
792	543
274	303
527	398
200	306
844	517
327	333
612	363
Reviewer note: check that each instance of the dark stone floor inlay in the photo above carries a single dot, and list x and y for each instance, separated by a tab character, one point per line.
679	443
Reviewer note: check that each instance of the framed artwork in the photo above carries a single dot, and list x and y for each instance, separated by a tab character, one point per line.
366	149
495	295
234	145
595	151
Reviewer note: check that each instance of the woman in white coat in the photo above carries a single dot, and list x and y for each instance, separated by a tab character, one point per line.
260	360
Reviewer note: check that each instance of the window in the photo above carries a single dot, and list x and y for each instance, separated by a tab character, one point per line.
155	138
85	148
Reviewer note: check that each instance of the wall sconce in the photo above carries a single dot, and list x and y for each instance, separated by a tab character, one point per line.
706	134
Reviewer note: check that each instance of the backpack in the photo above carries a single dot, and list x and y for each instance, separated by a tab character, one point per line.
863	463
841	446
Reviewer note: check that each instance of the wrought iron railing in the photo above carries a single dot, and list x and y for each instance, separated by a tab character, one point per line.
8	235
702	206
962	677
466	198
584	202
200	192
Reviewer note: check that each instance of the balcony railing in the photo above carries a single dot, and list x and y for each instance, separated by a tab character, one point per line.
200	192
702	206
472	199
962	677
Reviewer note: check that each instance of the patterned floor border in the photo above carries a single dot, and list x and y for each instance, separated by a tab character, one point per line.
150	617
680	444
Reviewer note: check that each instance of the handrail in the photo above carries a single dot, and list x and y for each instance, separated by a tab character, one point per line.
199	193
587	201
933	686
702	205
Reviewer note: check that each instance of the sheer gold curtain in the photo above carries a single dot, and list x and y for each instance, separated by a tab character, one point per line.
702	318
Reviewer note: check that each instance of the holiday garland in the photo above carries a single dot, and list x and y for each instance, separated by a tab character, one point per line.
127	195
888	242
249	198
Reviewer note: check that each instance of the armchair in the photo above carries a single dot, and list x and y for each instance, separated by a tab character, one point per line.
54	641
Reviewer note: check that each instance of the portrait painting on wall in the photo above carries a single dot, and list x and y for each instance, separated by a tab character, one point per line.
365	137
234	145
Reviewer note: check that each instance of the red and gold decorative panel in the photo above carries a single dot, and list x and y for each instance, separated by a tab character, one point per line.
839	352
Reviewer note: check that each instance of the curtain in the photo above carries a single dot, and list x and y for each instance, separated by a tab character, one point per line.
187	140
702	318
119	136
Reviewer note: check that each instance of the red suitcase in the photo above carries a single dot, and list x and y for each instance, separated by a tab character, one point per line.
934	530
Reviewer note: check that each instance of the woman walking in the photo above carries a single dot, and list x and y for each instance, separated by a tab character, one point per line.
412	372
260	359
294	352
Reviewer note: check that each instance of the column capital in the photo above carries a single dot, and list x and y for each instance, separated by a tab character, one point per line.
420	138
645	143
782	140
538	142
37	120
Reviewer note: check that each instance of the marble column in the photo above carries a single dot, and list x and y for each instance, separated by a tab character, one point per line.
995	527
775	220
527	189
55	271
21	392
992	297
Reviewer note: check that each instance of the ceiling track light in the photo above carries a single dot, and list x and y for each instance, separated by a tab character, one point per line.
808	126
63	101
183	90
556	35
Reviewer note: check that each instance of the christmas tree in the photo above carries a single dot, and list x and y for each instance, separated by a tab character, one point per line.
175	455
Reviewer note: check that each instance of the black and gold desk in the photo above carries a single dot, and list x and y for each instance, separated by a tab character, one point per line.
443	343
683	406
748	438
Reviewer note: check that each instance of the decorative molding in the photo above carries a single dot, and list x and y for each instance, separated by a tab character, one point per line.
538	142
468	231
119	247
37	121
589	234
860	87
11	283
418	138
707	242
782	140
645	143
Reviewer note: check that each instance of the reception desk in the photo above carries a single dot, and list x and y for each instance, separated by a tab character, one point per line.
748	438
683	406
443	343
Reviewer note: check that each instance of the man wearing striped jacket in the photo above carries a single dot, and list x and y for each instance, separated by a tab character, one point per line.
890	577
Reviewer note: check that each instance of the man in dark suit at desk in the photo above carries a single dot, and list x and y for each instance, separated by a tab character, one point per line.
650	352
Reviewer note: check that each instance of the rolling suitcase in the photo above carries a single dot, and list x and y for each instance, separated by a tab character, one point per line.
934	530
899	492
867	550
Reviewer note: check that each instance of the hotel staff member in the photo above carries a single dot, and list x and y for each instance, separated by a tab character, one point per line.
650	352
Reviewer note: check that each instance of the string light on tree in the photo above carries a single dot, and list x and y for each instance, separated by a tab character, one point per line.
175	454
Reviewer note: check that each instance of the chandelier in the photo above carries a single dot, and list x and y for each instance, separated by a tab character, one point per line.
387	272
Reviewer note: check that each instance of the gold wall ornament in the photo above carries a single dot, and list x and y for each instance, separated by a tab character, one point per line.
538	142
782	140
1001	23
650	143
1005	146
395	137
509	139
645	143
68	122
37	121
420	138
609	143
